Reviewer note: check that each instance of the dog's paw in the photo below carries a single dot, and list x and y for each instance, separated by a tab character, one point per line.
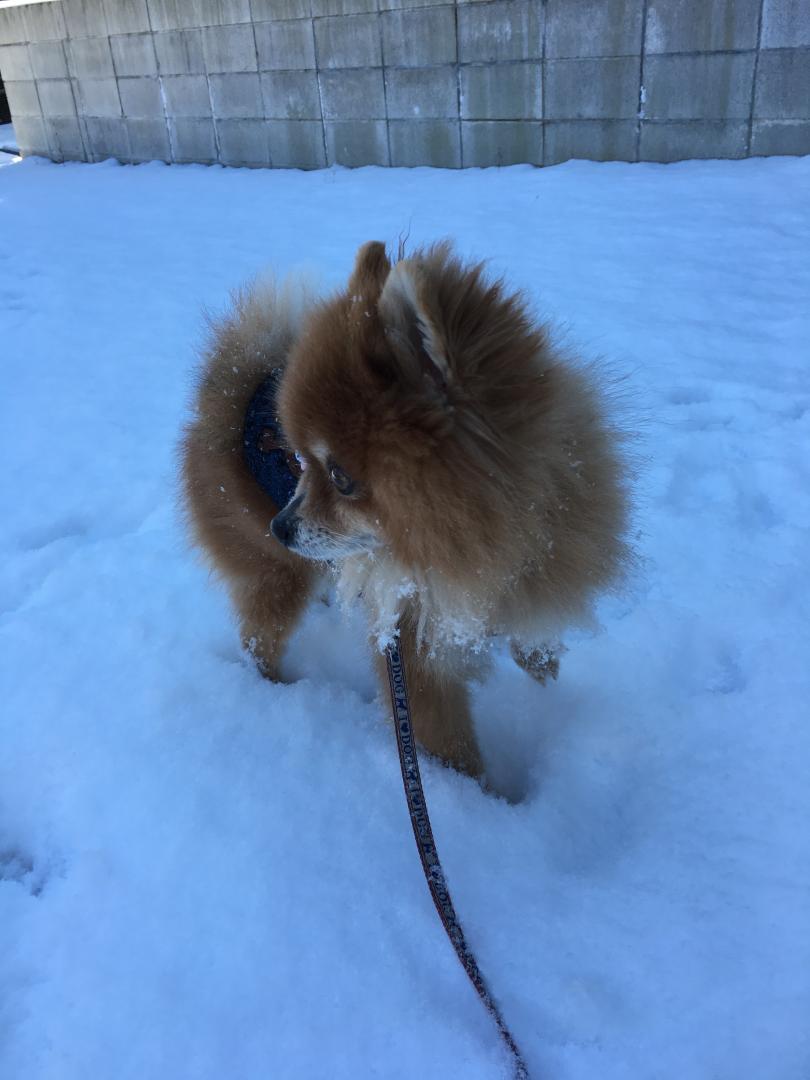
542	663
265	667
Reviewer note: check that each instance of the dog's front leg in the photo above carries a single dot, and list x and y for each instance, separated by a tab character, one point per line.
269	607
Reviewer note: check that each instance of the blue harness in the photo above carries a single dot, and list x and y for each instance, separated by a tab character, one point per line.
271	463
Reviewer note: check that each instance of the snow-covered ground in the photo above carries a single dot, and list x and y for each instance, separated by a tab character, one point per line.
207	876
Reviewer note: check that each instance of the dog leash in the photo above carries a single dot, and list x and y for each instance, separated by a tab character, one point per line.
271	466
423	834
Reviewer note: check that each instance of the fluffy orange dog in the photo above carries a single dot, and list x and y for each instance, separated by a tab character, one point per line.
457	474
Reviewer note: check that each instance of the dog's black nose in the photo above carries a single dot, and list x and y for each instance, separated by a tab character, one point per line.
284	524
282	528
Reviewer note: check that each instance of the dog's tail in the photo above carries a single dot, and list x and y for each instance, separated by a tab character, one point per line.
244	344
246	341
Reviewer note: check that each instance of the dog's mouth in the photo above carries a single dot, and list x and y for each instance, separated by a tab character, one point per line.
311	541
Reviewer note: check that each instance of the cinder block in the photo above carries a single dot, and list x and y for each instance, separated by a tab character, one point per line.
349	41
90	58
180	52
342	7
291	95
126	16
425	142
502	92
506	30
421	37
296	144
12	26
193	140
106	138
580	28
785	24
31	136
133	54
352	95
56	97
15	63
236	96
780	137
701	25
243	142
48	60
148	140
783	85
266	10
589	140
183	14
84	18
705	87
501	142
98	97
595	89
65	137
229	48
419	93
283	46
23	99
680	140
395	5
186	95
357	142
45	22
141	98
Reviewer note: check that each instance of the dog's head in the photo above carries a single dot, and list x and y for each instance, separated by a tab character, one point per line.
400	399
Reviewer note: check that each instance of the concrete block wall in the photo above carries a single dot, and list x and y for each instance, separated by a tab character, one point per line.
453	83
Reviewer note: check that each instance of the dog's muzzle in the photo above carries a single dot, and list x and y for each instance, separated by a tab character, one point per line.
284	525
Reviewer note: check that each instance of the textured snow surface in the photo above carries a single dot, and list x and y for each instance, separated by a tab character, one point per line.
205	876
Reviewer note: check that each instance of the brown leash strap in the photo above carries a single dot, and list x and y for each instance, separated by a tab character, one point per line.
434	875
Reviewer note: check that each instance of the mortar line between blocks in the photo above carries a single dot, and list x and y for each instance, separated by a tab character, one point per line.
45	130
642	93
385	84
754	81
458	87
543	83
261	87
118	93
161	88
217	147
326	161
72	83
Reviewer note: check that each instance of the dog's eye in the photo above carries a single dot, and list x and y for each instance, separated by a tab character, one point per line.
342	481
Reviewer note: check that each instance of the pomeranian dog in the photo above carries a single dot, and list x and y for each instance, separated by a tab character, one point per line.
453	470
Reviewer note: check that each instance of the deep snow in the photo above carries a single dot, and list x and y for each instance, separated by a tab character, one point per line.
206	876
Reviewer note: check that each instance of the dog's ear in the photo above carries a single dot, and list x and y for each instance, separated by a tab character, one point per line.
371	268
413	332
